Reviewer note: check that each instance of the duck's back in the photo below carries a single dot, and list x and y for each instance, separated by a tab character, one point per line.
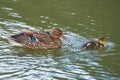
43	37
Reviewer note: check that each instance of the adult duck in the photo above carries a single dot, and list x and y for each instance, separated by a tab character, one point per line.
38	39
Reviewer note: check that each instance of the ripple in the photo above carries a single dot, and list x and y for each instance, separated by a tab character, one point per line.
12	24
75	41
7	9
72	64
90	18
11	13
69	62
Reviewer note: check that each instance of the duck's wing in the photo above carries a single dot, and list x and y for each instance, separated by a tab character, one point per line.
20	37
43	37
99	45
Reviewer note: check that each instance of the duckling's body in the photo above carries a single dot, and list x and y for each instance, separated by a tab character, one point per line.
38	39
95	44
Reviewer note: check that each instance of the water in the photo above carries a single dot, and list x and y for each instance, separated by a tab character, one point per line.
80	21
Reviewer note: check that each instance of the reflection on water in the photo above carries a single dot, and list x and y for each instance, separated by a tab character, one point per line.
66	63
10	13
69	62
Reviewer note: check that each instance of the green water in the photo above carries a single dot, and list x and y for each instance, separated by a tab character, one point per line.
80	20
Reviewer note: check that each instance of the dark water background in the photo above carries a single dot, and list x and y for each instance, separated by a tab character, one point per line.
80	20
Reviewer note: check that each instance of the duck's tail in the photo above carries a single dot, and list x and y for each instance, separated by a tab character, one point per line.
18	39
14	42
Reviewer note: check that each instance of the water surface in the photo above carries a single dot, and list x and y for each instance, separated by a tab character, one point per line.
81	21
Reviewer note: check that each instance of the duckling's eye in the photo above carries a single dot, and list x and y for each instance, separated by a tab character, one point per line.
103	40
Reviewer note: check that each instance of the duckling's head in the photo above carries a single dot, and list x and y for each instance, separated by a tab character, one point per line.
56	33
102	41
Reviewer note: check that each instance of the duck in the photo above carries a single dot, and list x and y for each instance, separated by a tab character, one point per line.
38	39
91	45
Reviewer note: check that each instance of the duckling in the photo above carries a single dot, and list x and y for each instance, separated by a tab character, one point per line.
38	39
95	44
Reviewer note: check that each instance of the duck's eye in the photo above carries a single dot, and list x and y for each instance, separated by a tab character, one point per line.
32	39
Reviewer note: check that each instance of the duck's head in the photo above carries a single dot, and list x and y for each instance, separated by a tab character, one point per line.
56	33
102	41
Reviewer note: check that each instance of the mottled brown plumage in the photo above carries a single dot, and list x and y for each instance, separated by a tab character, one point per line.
95	44
38	39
